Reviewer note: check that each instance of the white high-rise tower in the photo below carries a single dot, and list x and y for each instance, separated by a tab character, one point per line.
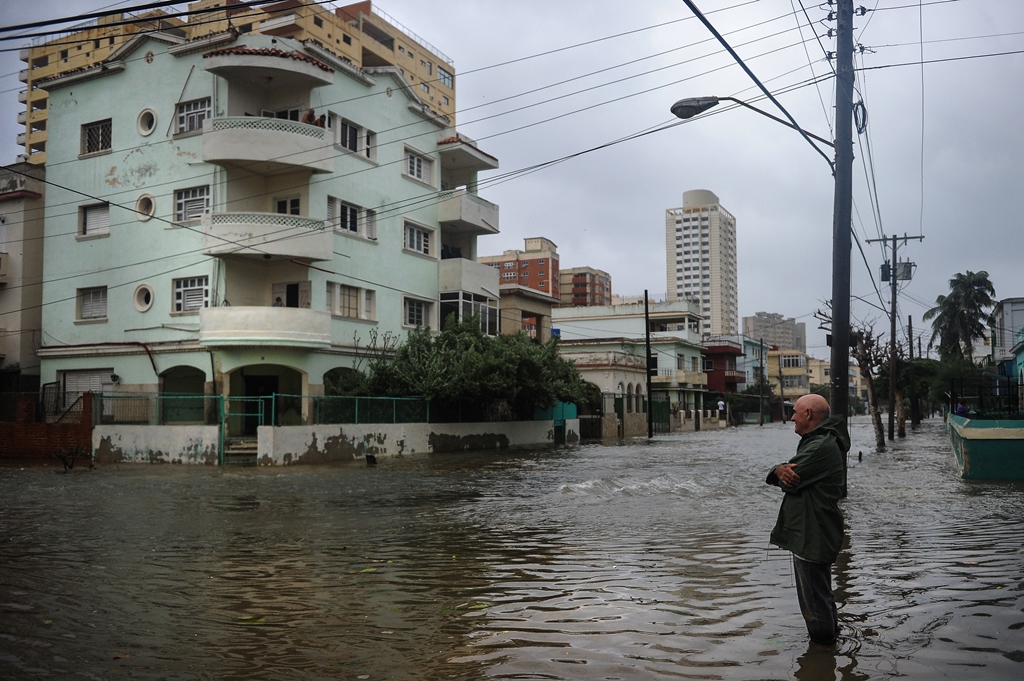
700	262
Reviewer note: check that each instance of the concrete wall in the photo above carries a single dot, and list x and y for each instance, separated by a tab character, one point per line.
156	444
337	443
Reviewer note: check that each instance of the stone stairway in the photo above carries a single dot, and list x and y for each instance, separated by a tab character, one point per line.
242	452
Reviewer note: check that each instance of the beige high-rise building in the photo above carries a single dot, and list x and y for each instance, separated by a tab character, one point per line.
700	263
774	329
357	33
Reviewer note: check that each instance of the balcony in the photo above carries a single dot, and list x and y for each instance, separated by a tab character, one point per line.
23	75
734	376
22	138
264	326
458	274
467	213
266	145
22	117
283	25
23	96
675	377
269	68
266	234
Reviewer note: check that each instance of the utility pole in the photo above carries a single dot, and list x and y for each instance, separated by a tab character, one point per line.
760	387
892	272
842	218
650	402
915	410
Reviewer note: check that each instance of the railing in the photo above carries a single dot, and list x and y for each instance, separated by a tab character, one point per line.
155	409
253	123
266	219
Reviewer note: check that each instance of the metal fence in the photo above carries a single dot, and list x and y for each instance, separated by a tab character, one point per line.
244	414
156	409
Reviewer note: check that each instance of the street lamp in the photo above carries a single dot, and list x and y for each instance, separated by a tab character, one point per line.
692	106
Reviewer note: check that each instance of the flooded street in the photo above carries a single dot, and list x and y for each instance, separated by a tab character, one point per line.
637	561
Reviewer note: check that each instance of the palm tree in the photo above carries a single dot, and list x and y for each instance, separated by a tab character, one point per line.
960	318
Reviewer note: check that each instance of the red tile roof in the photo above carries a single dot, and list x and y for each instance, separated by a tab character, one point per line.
271	52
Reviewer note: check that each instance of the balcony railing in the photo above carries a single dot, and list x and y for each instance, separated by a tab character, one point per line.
459	274
468	213
679	377
267	144
264	326
262	234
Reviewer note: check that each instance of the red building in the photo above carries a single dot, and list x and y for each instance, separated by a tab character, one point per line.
720	365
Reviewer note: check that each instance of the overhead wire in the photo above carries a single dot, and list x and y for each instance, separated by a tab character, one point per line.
405	139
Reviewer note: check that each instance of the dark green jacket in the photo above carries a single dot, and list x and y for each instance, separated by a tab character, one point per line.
810	524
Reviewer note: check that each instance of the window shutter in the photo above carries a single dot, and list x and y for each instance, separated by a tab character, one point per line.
94	303
97	219
330	297
305	294
193	299
370	225
332	212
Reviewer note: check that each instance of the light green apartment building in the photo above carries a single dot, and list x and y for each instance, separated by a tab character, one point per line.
205	234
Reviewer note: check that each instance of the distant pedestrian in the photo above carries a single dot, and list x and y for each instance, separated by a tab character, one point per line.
278	302
961	408
309	118
721	406
810	524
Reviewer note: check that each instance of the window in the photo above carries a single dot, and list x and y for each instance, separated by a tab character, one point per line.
95	220
349	301
349	219
417	239
425	87
191	294
508	275
445	77
289	206
792	361
92	303
417	313
418	167
463	304
96	137
191	204
192	114
353	137
709	365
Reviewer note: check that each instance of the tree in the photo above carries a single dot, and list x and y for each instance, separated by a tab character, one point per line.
463	366
960	318
868	356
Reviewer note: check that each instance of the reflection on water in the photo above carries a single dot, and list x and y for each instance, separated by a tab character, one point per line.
647	560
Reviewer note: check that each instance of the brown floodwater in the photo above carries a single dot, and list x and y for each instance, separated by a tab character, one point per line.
646	560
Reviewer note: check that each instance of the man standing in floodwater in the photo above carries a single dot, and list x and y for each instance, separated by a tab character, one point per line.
810	524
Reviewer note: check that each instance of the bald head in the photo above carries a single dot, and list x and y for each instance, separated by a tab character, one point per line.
808	412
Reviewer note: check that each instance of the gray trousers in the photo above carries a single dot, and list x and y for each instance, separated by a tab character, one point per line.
817	604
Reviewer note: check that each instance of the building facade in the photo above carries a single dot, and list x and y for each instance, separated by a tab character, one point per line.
584	286
1007	320
199	239
787	373
675	344
775	329
721	364
700	264
536	266
357	34
21	264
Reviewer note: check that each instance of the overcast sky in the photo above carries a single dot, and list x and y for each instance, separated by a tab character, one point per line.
539	80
